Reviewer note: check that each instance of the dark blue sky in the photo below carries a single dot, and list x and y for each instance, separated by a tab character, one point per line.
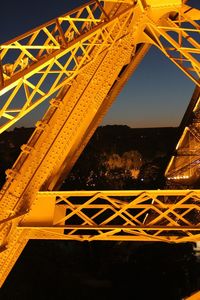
157	94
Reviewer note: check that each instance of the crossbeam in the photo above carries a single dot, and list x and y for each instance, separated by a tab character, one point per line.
167	215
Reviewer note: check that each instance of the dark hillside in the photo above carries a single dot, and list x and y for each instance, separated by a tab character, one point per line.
154	144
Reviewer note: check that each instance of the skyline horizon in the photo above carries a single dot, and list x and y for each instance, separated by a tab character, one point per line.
111	125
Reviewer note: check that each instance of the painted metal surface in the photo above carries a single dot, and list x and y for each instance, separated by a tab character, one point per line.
81	61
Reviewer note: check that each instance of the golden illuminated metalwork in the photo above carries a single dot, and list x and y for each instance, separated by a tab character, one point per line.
81	61
195	296
184	165
37	64
168	216
178	39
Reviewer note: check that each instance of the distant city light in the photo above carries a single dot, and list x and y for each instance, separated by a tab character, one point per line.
178	177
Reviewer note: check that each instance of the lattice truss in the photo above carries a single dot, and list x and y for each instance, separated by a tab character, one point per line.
36	65
168	216
184	164
178	38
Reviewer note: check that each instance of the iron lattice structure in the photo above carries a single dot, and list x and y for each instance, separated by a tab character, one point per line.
80	62
184	164
167	216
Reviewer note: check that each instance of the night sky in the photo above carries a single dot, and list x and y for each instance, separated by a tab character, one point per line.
158	93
